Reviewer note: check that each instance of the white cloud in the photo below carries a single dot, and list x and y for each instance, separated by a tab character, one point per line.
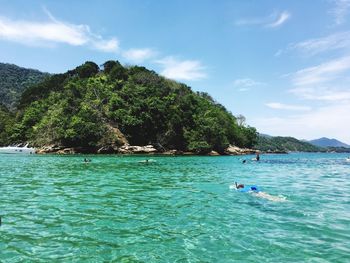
339	40
111	45
325	82
182	70
281	19
54	32
246	84
322	73
281	106
340	11
329	121
322	93
274	20
138	55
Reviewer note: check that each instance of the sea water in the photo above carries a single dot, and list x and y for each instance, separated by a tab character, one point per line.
174	209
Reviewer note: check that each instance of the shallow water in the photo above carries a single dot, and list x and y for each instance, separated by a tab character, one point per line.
175	209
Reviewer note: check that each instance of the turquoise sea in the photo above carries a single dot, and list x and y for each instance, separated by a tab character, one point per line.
174	209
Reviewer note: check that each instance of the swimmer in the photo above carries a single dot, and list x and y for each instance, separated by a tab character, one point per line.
238	186
244	161
86	160
147	161
255	191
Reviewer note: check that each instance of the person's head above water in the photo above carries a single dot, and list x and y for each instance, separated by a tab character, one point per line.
238	186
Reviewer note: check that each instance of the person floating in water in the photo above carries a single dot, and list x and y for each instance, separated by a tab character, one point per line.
147	161
246	188
257	156
86	160
239	185
256	191
244	161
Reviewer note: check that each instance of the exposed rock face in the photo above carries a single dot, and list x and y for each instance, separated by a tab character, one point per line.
67	151
172	152
120	138
108	149
49	149
129	149
134	149
234	150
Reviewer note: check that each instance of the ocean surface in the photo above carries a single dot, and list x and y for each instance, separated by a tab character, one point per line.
174	209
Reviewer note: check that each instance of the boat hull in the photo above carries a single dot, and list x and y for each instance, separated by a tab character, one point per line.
16	150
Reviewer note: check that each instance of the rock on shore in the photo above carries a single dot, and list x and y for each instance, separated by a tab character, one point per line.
234	150
129	149
134	149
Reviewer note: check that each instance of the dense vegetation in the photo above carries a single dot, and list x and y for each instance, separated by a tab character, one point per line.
14	80
285	144
86	106
6	122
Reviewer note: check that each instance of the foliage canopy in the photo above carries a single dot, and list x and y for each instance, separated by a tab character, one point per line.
82	106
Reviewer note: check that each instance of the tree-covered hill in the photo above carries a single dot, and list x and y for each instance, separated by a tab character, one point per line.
14	80
93	107
284	144
6	122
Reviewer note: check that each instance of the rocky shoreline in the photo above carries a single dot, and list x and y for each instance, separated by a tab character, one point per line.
134	149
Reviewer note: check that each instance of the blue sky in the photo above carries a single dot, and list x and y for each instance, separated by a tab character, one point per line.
284	65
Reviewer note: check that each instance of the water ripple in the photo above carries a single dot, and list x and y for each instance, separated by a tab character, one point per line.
176	209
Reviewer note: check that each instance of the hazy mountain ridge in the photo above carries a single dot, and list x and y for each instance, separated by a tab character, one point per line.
268	143
326	142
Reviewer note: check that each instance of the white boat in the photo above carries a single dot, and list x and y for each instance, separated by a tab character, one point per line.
17	150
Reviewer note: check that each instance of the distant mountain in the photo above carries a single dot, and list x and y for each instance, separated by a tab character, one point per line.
326	142
284	144
14	80
265	135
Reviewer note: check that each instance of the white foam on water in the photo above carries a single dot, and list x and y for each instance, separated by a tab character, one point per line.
232	186
273	198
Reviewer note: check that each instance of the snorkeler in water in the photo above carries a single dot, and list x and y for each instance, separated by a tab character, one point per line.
239	185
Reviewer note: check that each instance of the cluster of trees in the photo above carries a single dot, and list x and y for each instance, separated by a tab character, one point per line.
82	106
7	119
14	80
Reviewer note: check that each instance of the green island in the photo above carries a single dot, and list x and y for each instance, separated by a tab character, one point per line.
89	108
93	109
